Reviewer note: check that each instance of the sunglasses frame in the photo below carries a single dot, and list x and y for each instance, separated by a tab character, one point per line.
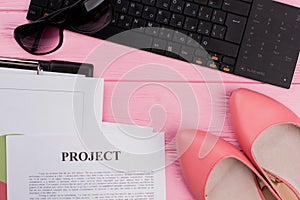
59	19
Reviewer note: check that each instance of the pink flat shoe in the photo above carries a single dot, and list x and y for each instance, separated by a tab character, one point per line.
269	134
224	173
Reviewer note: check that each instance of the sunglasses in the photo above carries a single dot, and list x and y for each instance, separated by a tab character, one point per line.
45	35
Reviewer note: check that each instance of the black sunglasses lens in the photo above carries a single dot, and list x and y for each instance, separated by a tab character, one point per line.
94	21
42	37
39	39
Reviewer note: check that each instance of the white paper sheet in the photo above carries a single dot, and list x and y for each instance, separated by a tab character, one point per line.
43	168
128	129
31	104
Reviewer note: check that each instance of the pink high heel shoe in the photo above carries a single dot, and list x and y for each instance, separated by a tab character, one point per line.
223	174
269	134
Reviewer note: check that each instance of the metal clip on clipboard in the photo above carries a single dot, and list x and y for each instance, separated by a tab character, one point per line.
51	66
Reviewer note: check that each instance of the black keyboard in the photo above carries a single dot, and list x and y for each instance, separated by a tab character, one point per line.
257	39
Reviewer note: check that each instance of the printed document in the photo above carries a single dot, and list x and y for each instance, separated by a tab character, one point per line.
67	167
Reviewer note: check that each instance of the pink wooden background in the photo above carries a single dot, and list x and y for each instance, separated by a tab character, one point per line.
146	89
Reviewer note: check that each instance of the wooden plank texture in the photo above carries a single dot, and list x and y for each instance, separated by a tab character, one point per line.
14	5
147	89
171	107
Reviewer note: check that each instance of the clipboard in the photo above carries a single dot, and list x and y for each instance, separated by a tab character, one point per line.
78	100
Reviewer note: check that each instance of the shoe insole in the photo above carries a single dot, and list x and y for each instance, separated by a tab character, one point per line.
277	151
232	180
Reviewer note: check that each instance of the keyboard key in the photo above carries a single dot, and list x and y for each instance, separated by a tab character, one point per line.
173	49
216	57
191	9
202	53
138	23
122	6
227	68
55	4
166	33
187	53
203	2
163	16
235	28
135	9
42	3
212	64
152	28
149	2
177	6
237	7
149	13
124	21
199	61
218	17
220	47
204	28
177	20
153	31
115	19
218	31
215	3
164	4
194	40
159	45
205	13
179	37
152	24
35	12
190	24
228	60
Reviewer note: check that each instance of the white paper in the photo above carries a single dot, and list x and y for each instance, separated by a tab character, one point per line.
128	129
36	170
32	104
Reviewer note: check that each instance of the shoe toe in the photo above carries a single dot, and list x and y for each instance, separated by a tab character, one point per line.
198	168
252	112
